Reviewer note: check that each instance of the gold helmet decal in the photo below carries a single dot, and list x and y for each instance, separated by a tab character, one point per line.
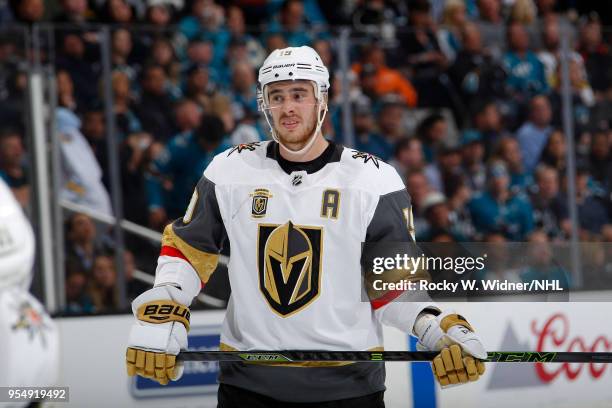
289	265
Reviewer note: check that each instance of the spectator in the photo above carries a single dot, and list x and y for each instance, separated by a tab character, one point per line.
248	130
459	194
274	41
126	121
509	151
549	212
118	12
601	159
13	168
432	130
162	54
447	165
499	264
439	219
408	156
526	76
420	50
28	11
81	176
82	72
488	121
596	55
120	53
103	285
375	18
366	139
534	134
475	74
592	213
490	25
77	299
386	80
160	14
391	119
176	172
291	24
199	88
583	98
243	89
240	39
81	244
73	12
472	155
94	129
554	153
65	90
498	210
523	12
201	53
206	23
135	155
550	53
134	286
542	266
188	116
418	188
155	107
453	20
324	49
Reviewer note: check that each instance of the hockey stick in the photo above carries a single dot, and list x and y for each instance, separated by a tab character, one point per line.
293	356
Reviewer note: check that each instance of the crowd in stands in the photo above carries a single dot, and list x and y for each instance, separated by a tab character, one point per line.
464	97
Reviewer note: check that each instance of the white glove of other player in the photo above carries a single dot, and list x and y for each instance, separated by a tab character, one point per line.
460	348
159	334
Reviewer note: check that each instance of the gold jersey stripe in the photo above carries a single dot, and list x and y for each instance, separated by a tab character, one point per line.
204	263
303	364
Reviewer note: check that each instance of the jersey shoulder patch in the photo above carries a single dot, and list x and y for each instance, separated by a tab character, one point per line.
366	158
244	147
236	162
370	173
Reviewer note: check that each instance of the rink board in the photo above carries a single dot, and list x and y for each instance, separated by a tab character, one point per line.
92	362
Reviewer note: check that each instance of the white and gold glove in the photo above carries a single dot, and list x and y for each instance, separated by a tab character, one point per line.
159	334
460	348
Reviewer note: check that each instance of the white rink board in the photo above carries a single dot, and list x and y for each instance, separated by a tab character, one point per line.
92	361
538	326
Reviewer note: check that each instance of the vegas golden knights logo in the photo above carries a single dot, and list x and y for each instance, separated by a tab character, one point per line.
289	264
260	202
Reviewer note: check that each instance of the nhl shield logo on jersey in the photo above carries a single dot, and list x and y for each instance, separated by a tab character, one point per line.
289	265
259	205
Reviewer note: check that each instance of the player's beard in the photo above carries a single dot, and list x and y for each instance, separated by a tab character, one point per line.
295	140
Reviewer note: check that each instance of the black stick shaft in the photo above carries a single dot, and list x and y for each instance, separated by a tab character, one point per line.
291	356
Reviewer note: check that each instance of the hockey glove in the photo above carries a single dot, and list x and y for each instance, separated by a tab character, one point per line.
460	348
160	332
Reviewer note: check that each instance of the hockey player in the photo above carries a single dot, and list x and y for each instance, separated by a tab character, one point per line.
29	343
295	211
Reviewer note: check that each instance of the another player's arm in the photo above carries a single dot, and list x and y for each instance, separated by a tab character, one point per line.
189	254
413	312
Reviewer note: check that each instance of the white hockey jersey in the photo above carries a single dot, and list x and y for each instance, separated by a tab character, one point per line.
29	339
296	234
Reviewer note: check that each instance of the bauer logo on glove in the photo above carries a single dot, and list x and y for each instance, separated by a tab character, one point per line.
162	311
